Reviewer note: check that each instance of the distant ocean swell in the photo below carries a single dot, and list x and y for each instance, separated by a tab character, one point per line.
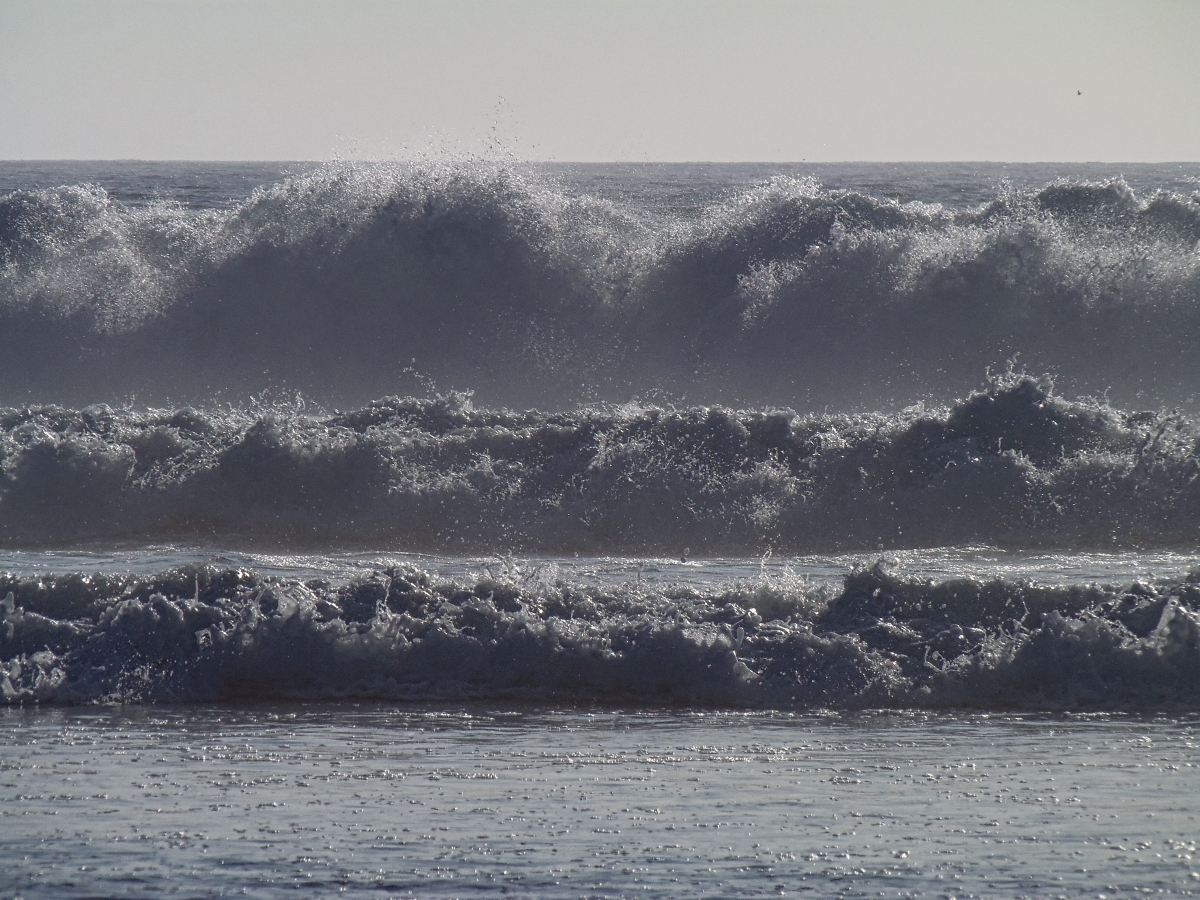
1012	465
348	281
203	634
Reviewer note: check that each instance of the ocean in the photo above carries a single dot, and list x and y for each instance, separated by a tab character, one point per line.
472	527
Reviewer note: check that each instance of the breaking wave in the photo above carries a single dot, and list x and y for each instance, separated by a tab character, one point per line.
204	634
1013	465
351	281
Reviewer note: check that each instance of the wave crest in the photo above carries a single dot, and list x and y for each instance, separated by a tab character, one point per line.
203	634
1013	465
344	281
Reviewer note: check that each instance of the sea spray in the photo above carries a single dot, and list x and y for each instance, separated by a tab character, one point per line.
342	280
1012	465
205	634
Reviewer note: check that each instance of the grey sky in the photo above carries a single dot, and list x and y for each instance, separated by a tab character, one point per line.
850	80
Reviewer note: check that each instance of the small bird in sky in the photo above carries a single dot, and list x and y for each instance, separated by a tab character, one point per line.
1079	93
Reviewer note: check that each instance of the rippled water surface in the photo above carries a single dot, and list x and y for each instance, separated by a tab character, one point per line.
461	801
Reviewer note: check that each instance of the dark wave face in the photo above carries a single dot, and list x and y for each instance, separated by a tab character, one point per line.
202	634
1012	466
347	282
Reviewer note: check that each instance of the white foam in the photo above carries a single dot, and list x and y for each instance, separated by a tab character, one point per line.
344	281
203	634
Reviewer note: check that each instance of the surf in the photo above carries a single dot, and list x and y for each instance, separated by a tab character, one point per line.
353	281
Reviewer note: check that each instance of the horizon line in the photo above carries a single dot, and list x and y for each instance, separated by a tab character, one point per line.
571	162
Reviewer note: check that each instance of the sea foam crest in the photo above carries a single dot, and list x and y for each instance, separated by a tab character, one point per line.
342	280
203	634
1012	465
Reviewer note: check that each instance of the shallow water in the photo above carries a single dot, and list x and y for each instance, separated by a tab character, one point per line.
470	801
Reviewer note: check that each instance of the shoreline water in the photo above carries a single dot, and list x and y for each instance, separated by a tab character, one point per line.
444	801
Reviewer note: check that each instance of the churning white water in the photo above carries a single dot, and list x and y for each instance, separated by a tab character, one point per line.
463	528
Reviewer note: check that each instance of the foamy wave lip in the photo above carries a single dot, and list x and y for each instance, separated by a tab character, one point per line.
340	280
1013	465
202	634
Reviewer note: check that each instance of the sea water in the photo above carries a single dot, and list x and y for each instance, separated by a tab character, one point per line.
861	288
466	527
466	800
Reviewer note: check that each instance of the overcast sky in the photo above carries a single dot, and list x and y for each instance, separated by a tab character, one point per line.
772	81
